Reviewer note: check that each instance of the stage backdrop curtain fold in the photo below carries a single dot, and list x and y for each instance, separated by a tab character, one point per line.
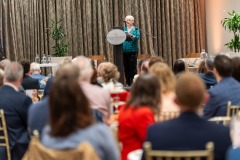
169	28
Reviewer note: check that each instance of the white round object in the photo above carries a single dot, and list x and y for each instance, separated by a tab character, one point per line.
116	36
135	155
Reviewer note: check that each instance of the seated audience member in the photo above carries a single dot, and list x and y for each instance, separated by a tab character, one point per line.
155	59
189	131
38	112
70	118
28	82
167	82
179	66
1	77
140	62
98	97
145	67
208	77
95	75
138	114
202	67
225	90
15	105
236	68
35	72
110	75
4	63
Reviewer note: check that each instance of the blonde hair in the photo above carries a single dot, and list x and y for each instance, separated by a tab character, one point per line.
109	71
165	76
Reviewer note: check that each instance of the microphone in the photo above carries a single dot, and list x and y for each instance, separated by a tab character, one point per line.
125	21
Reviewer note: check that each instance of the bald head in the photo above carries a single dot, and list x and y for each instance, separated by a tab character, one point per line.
190	91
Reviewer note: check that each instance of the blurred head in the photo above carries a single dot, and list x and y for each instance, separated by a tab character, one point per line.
109	71
202	67
223	66
179	66
165	76
69	107
140	62
13	73
26	66
236	68
210	63
190	91
85	68
4	63
145	92
145	66
154	60
1	77
35	68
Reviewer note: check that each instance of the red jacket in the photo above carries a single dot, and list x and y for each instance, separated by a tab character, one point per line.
133	124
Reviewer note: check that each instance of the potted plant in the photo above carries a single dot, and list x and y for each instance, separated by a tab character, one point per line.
232	24
61	47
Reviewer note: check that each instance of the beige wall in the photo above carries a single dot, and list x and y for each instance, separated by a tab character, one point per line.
216	10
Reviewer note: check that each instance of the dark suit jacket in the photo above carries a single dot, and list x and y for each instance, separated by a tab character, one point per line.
15	105
228	89
189	132
30	83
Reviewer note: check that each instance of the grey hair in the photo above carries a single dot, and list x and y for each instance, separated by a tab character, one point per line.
13	72
35	67
85	67
210	62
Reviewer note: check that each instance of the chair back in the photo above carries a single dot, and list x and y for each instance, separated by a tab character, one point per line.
4	135
97	59
177	155
145	55
193	55
164	116
221	120
36	151
232	110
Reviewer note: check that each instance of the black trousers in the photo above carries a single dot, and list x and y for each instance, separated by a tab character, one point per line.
130	66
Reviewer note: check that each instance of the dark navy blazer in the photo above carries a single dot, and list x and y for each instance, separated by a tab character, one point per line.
228	89
15	105
189	132
30	83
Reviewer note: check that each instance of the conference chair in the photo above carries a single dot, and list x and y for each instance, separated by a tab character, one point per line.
97	59
164	116
4	136
193	55
177	155
232	109
225	120
145	56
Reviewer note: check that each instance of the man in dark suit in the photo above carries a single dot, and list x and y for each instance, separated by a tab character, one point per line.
28	82
15	105
226	90
189	131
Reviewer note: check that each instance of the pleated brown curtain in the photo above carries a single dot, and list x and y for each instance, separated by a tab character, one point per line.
176	24
178	27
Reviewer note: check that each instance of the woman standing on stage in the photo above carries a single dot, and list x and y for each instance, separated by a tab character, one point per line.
130	49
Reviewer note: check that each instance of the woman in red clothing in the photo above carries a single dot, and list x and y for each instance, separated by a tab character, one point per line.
138	114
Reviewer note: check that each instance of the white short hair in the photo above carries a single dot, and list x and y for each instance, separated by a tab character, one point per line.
130	17
86	70
35	67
